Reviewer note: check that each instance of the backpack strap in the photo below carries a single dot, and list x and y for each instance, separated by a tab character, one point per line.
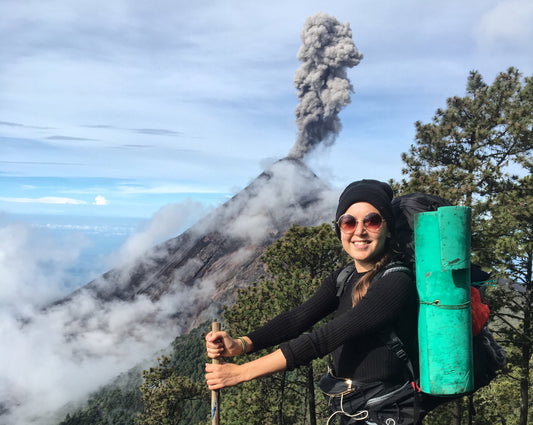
343	277
390	338
395	344
396	266
347	272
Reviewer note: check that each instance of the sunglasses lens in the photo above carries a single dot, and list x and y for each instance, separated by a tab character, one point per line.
373	222
347	223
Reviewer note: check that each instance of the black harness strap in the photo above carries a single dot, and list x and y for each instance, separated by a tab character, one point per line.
390	338
343	277
346	273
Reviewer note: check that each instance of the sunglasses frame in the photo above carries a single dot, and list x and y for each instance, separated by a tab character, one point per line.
364	221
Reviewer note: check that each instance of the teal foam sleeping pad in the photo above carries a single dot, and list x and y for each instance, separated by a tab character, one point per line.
442	253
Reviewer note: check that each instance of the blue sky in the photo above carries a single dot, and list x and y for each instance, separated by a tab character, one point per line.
119	108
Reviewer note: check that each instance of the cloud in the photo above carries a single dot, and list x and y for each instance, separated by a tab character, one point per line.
45	200
16	124
70	138
167	188
508	23
100	200
256	212
167	222
40	163
71	349
146	131
138	146
156	132
33	264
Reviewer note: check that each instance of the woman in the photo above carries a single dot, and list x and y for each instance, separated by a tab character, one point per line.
371	305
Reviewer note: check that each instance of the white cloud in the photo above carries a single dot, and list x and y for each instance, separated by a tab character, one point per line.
71	349
509	22
100	200
33	264
169	189
45	200
165	224
226	70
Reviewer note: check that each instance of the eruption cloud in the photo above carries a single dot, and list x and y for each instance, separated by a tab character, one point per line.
321	81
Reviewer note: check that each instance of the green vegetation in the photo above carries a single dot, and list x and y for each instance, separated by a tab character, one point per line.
115	404
176	386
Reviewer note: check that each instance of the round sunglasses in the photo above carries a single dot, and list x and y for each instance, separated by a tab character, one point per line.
348	223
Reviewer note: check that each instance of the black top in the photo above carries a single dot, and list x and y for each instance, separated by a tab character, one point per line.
354	335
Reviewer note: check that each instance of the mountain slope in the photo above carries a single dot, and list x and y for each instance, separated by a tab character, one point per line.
222	251
135	310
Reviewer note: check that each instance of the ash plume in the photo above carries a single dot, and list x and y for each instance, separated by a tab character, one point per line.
321	81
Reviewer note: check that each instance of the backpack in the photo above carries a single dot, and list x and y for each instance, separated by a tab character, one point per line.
489	356
404	209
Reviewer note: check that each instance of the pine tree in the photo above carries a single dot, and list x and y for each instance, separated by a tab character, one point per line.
507	238
165	392
477	152
470	148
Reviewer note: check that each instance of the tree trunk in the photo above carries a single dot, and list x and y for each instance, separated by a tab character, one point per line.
471	410
282	397
311	392
457	415
524	385
526	349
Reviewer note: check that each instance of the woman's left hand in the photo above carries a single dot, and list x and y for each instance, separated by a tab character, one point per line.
229	374
223	375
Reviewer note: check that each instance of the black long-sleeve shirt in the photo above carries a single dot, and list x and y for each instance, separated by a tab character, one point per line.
355	335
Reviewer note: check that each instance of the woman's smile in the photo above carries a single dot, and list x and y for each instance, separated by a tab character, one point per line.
361	243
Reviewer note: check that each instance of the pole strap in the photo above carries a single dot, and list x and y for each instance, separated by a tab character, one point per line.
438	304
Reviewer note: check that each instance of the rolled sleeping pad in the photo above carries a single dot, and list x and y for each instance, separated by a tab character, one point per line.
442	253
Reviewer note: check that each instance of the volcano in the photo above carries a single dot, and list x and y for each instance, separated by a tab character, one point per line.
221	252
133	312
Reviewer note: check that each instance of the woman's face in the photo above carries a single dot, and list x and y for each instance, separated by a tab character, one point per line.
364	246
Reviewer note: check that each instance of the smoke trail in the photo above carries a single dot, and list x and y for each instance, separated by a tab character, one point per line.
321	82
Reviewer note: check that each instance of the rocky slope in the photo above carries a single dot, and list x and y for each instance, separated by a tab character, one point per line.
221	252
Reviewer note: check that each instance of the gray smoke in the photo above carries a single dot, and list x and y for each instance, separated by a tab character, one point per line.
321	82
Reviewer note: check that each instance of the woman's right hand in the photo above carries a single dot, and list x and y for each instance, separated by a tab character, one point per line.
220	344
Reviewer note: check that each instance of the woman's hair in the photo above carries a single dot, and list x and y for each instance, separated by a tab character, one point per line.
361	286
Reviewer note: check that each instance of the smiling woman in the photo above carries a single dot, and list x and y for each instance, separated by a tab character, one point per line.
372	385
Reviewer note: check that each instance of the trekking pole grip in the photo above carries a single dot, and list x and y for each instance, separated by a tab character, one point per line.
215	395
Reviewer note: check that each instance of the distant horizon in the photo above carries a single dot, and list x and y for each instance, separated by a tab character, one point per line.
99	237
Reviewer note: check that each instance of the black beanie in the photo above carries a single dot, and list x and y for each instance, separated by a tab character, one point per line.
374	192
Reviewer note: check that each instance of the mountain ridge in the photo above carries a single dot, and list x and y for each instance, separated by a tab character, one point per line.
224	248
134	311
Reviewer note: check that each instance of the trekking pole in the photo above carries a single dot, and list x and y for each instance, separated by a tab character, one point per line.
215	395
